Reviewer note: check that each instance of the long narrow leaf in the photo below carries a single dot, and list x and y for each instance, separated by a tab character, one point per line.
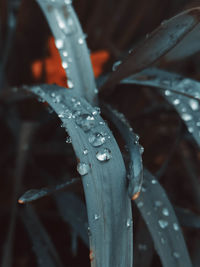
103	174
182	93
71	44
157	44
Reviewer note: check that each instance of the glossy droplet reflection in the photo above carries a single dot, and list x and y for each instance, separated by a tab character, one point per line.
104	154
96	139
85	121
83	168
163	224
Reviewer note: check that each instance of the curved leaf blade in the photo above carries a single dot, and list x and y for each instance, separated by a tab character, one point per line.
182	93
108	204
157	44
162	223
72	47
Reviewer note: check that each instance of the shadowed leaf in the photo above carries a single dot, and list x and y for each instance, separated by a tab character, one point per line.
157	44
182	93
162	223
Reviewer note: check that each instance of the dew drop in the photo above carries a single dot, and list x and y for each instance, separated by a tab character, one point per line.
80	41
115	65
68	140
176	101
96	139
167	92
154	181
104	154
59	43
85	151
85	121
176	255
191	129
96	217
186	117
158	203
96	111
140	204
129	223
165	212
141	149
175	227
70	84
163	224
198	124
194	104
64	65
83	168
65	54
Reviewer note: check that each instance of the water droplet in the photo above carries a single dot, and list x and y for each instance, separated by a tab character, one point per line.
68	2
104	154
85	151
85	121
115	65
141	149
96	111
186	117
96	139
53	94
96	217
163	224
176	101
140	204
165	212
129	222
96	90
70	84
64	65
68	140
194	104
191	129
175	227
59	43
65	54
80	41
83	168
154	181
176	255
167	93
61	115
198	124
158	203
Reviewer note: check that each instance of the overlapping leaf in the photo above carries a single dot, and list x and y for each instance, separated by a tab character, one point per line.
183	93
157	44
71	44
103	176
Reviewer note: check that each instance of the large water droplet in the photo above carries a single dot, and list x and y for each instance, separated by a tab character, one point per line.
167	93
104	154
194	104
163	224
85	121
186	117
154	181
96	139
176	101
64	65
80	41
85	151
83	168
165	212
70	84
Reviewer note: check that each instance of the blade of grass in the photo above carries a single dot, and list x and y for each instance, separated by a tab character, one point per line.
108	204
72	47
157	44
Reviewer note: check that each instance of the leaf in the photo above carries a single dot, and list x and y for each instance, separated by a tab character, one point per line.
162	223
182	93
42	245
72	47
158	43
135	172
103	176
35	194
73	211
